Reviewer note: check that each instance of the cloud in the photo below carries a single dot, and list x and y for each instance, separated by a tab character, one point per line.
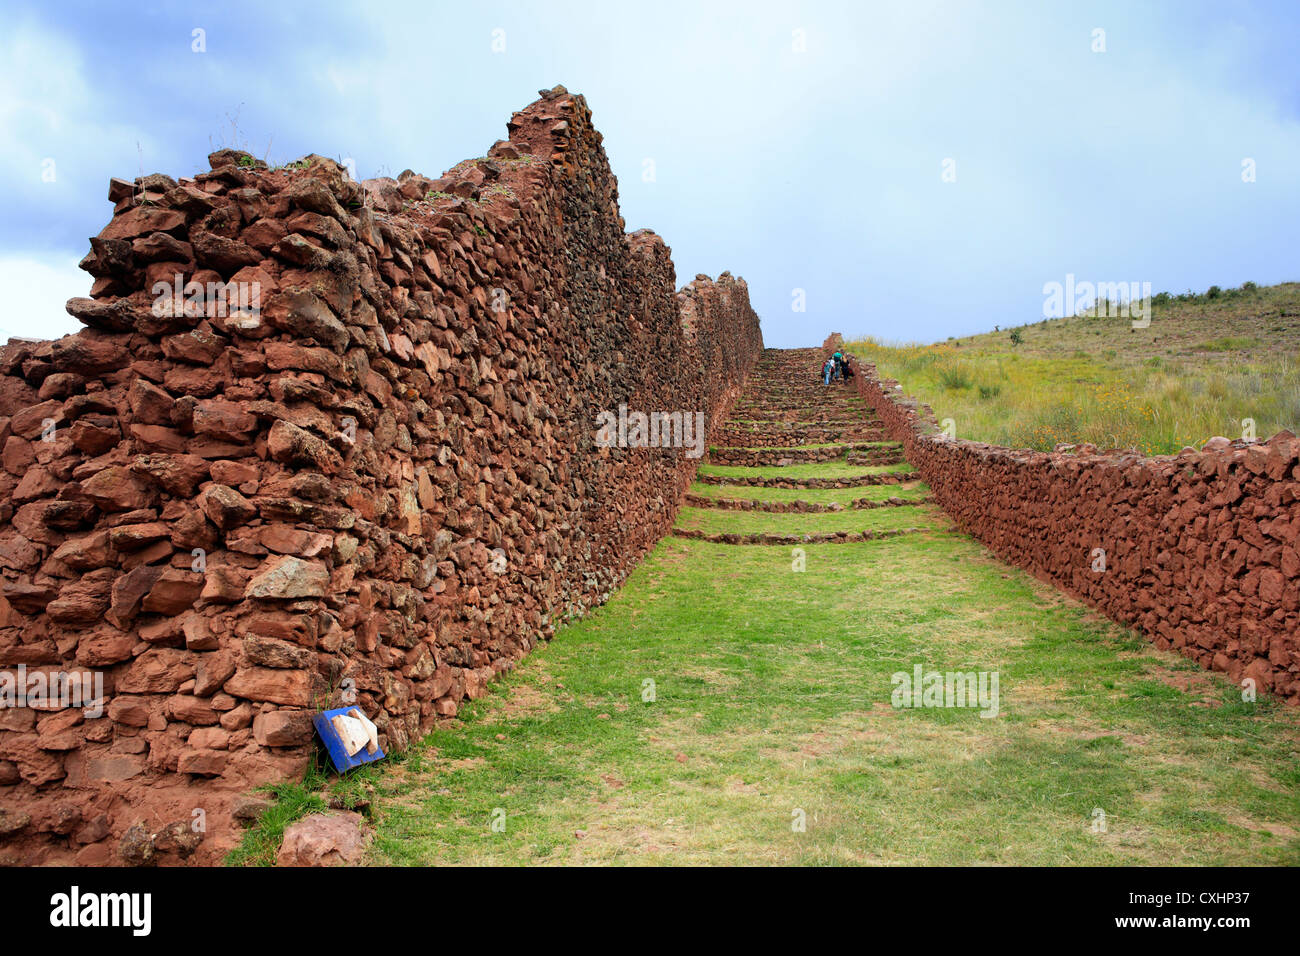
816	168
35	291
59	128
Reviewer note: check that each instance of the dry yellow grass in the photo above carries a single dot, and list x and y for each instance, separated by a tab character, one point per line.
1226	365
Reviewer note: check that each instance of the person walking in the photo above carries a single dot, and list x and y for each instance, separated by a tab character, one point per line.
827	371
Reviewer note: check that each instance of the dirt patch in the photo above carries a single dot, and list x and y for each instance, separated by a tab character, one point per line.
1198	685
1257	826
525	700
737	785
465	763
671	554
1081	728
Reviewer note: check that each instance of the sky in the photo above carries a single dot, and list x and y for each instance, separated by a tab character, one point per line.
912	171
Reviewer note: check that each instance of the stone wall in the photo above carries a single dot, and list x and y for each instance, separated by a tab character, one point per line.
1201	550
378	482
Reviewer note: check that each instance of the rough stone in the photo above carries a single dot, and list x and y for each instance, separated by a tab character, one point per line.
336	838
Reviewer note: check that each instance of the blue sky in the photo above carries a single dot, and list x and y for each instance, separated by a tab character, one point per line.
817	169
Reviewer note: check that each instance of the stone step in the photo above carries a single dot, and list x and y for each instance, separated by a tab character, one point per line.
781	457
851	481
796	425
802	507
787	416
887	458
738	438
815	393
812	537
800	416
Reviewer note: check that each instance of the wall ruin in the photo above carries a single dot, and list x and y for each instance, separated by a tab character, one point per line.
380	482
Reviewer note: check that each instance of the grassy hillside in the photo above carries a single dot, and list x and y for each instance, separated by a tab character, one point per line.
1206	363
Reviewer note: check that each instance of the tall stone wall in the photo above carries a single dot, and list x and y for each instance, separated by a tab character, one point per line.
1201	550
377	483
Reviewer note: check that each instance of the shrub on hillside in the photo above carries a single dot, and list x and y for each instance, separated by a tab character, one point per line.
955	378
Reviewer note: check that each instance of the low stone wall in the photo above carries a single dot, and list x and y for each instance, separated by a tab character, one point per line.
322	443
1201	551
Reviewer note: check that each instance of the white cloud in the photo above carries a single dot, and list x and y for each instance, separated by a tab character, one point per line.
44	99
36	289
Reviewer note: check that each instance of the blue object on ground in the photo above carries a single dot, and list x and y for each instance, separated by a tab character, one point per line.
334	744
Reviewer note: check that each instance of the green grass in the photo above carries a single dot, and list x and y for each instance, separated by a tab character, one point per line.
315	793
1227	344
1202	367
780	701
721	694
821	496
718	521
828	469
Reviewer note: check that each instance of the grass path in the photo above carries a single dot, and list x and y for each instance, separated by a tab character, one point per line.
726	708
716	520
772	695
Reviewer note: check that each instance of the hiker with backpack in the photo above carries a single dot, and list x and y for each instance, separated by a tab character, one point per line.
838	359
827	371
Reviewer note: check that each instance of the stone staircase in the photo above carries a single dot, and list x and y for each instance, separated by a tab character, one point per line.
795	447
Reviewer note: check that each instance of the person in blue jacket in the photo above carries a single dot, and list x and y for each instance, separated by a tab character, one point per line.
827	371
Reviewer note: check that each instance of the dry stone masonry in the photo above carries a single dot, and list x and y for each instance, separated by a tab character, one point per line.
786	417
323	443
1200	551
